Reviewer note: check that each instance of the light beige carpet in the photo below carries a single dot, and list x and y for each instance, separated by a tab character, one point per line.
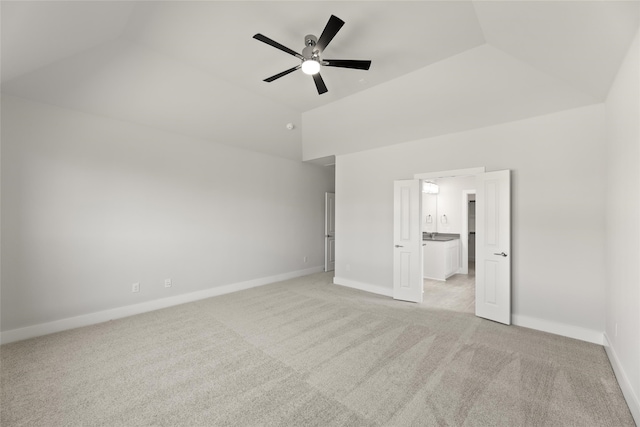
306	352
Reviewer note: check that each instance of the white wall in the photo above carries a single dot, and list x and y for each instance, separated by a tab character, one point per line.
91	205
480	87
557	220
430	213
623	227
449	203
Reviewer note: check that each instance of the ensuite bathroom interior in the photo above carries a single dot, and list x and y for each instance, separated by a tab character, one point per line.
449	243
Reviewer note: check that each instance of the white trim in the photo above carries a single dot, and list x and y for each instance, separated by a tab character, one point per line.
633	402
449	173
374	289
130	310
557	328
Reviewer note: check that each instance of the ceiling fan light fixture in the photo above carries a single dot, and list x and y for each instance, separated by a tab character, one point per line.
310	67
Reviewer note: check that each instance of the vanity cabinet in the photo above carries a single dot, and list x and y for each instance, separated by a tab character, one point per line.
441	258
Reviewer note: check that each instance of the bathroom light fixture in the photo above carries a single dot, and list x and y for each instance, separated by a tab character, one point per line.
311	67
429	187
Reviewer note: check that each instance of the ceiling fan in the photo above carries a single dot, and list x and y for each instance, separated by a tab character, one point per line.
310	57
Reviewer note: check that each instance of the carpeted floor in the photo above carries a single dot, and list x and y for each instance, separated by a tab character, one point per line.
306	352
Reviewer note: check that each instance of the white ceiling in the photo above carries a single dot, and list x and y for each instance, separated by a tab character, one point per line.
193	67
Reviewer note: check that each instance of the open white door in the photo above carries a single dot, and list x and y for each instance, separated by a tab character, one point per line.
329	231
493	246
407	238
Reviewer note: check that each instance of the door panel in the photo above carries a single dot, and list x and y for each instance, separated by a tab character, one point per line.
490	279
493	246
329	231
331	254
407	236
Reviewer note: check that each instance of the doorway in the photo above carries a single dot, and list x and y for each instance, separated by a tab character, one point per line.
493	241
457	292
468	229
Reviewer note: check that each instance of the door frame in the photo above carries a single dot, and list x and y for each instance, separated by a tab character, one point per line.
464	233
450	173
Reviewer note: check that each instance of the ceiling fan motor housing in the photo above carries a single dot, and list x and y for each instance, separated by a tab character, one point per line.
310	51
310	40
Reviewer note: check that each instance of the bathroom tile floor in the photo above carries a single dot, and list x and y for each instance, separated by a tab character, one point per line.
457	293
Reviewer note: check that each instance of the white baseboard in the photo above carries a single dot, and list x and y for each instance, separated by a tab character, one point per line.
130	310
374	289
557	328
627	390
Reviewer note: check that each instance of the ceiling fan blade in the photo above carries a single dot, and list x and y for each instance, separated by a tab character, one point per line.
277	45
322	88
347	63
282	74
330	30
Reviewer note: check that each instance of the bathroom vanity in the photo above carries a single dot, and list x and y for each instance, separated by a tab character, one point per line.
441	256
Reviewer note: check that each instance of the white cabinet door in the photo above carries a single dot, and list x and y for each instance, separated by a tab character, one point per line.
434	263
441	259
453	257
493	246
407	236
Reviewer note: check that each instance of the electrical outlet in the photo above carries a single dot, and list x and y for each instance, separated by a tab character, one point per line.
135	287
348	268
167	283
305	259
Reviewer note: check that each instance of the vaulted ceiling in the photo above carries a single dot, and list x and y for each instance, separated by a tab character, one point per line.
193	67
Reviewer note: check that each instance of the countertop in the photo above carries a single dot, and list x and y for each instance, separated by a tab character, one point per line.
439	237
